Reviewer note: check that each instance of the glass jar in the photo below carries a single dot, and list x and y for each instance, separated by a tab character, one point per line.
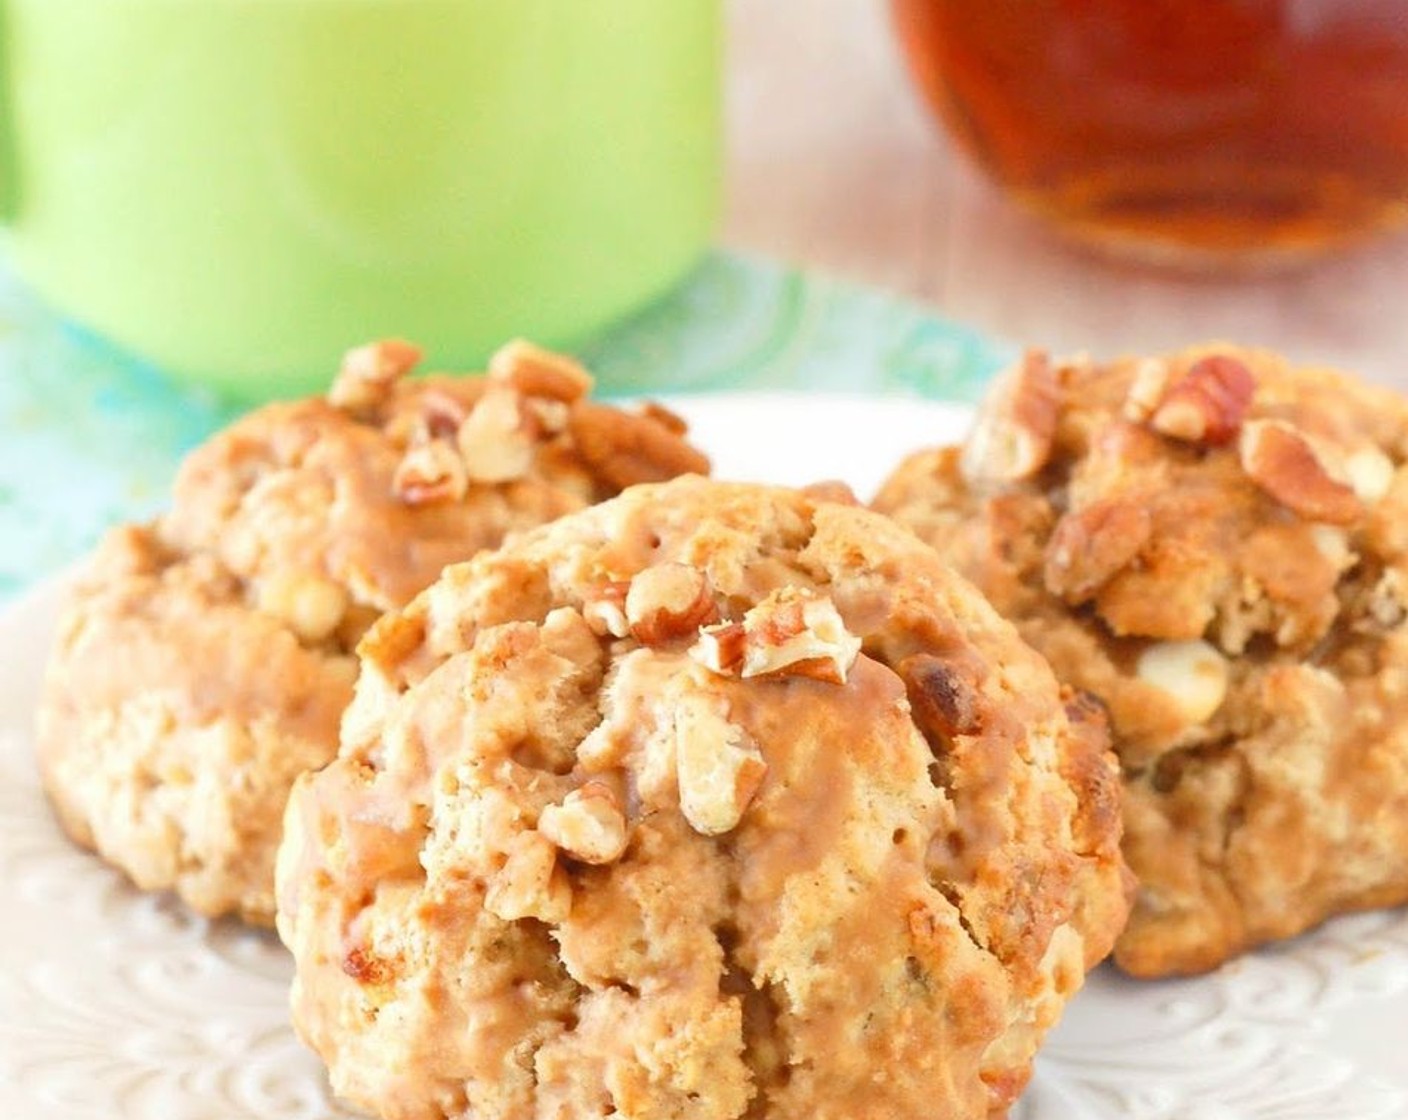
1185	130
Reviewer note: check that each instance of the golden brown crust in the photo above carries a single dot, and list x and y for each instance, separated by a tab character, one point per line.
175	719
205	660
863	891
1217	550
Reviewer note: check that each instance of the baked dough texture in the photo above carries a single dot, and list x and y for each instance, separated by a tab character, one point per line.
1212	542
712	801
206	658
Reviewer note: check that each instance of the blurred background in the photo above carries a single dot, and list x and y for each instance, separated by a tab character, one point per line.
834	160
239	191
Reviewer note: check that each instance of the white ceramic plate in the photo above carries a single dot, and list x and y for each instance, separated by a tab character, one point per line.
118	1006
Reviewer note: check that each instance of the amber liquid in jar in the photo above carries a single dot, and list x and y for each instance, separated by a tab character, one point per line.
1191	130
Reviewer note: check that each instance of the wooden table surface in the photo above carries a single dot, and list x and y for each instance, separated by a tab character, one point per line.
834	164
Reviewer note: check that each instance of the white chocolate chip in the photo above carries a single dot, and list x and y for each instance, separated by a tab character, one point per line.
1192	673
1370	474
311	605
1333	544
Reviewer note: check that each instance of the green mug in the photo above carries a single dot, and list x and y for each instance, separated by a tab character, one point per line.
238	190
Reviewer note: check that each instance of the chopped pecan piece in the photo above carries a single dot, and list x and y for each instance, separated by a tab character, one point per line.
493	440
1386	604
624	449
536	372
1207	404
530	884
1016	424
667	602
1090	545
589	824
369	372
605	609
367	968
720	648
796	633
546	417
793	632
1286	464
719	769
441	414
429	473
1146	389
669	420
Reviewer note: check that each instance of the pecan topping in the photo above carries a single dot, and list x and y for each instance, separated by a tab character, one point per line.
544	417
793	632
1386	604
369	373
1285	463
1146	389
441	414
535	372
623	449
1206	405
530	884
719	769
668	602
1091	544
671	421
1016	424
720	648
429	473
493	441
605	609
589	824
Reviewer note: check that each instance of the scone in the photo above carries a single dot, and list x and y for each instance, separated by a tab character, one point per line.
1216	545
206	658
712	801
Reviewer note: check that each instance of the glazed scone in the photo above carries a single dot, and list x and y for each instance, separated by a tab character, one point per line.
205	659
712	801
1216	545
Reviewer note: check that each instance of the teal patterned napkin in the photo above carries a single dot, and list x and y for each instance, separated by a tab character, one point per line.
89	437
